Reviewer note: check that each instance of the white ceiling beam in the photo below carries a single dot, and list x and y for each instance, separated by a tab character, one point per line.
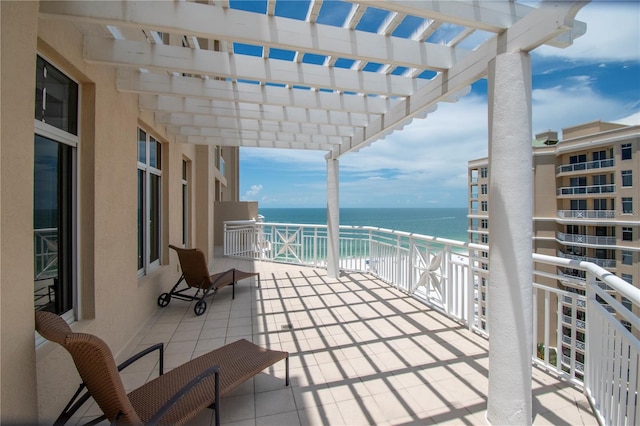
254	112
215	22
133	81
314	11
194	121
255	135
174	58
390	23
354	16
543	24
203	140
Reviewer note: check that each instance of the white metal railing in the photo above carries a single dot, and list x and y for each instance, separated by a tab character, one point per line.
591	240
590	189
586	214
442	274
603	263
587	165
45	244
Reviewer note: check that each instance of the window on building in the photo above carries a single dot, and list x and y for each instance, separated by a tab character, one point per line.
55	190
149	197
627	257
484	172
576	159
627	277
483	189
599	155
627	233
627	178
578	204
600	204
484	238
627	205
600	179
484	223
185	203
578	181
484	206
626	151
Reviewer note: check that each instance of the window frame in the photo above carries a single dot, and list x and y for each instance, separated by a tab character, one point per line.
72	140
627	205
627	231
626	257
626	151
627	178
186	198
149	172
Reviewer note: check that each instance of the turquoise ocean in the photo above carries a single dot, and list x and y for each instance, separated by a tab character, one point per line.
448	223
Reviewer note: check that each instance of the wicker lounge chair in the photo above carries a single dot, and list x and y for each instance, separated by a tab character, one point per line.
195	274
171	398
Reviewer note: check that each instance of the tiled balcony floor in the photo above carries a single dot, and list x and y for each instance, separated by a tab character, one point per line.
360	352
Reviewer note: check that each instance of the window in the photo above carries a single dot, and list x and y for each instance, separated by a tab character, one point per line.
578	181
483	189
484	223
627	178
627	205
578	204
149	192
576	159
484	172
484	238
627	277
484	206
185	203
55	189
599	203
627	257
626	151
600	179
627	233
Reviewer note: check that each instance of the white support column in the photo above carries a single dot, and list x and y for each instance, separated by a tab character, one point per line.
333	219
510	260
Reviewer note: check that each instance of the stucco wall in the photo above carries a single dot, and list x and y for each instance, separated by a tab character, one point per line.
114	303
18	38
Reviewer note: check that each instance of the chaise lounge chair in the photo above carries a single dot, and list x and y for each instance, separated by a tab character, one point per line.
171	398
195	274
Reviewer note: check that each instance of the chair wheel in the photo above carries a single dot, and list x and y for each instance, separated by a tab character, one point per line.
164	299
200	307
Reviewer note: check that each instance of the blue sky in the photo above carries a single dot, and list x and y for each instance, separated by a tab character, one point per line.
425	164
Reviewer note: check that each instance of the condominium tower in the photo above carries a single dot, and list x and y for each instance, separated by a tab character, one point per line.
586	206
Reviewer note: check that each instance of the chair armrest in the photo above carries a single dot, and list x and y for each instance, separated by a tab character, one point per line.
185	390
135	357
76	401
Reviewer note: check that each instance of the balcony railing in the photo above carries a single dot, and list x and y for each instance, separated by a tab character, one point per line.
45	257
586	214
440	273
603	263
588	165
584	190
591	240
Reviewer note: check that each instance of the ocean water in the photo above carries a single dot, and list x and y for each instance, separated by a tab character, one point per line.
438	222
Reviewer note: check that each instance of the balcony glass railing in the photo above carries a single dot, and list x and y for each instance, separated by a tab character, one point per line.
591	240
603	263
598	164
440	273
586	190
586	214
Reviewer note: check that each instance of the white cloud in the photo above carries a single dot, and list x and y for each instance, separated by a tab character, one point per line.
613	33
252	193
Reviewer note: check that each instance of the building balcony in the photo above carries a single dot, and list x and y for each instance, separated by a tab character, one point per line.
590	240
587	214
361	352
435	277
586	190
588	165
603	263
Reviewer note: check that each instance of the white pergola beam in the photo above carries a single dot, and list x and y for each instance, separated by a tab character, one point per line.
202	140
256	135
172	104
125	53
152	83
214	22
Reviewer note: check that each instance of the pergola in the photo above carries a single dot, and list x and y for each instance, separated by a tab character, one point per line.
336	76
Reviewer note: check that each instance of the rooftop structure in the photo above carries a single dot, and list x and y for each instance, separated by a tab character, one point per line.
121	123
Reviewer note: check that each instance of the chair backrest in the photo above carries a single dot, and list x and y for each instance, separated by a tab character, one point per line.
194	267
95	364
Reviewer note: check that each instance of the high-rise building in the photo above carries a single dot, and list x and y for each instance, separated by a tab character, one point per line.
586	206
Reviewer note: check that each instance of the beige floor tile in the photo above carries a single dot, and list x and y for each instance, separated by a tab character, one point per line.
281	419
275	402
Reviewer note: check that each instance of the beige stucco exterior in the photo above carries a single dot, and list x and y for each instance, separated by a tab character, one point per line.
113	301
